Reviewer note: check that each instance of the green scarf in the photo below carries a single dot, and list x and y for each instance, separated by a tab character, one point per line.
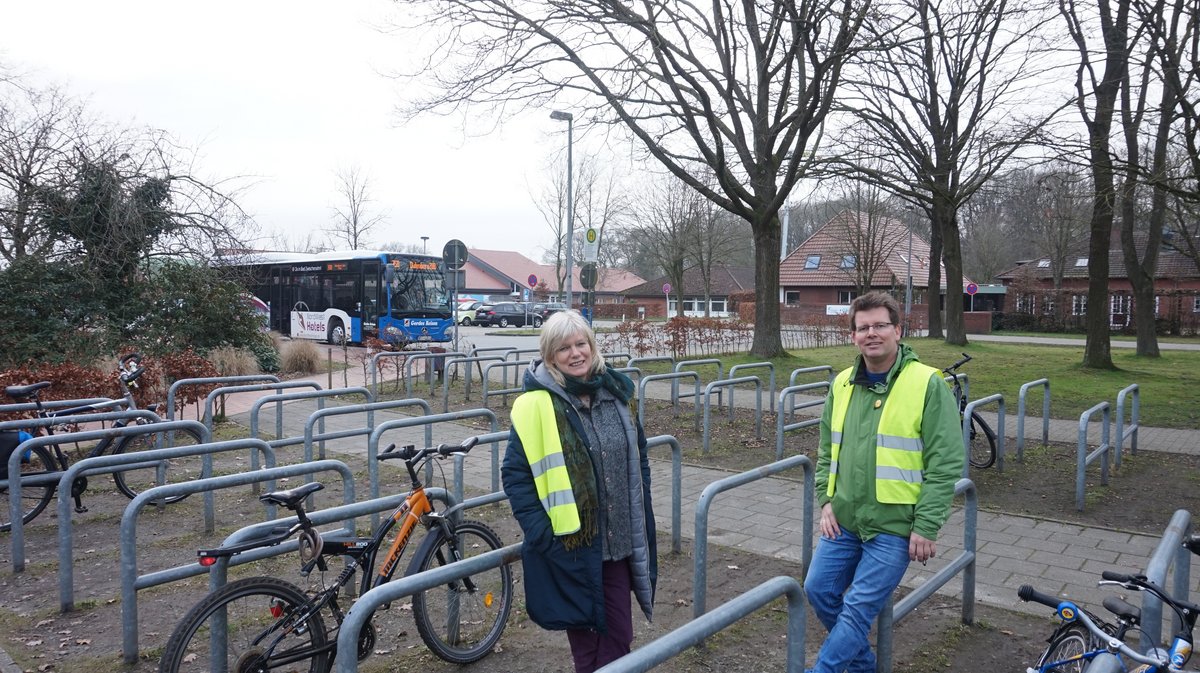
583	480
615	382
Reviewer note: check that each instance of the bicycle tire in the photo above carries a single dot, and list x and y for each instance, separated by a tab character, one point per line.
254	608
179	470
33	498
1072	641
461	626
983	453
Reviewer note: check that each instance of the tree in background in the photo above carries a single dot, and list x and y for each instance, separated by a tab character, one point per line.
352	218
737	91
665	217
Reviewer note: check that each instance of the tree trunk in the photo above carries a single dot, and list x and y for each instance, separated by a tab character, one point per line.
956	329
767	340
934	292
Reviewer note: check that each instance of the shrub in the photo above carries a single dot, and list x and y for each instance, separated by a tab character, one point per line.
231	361
301	357
266	352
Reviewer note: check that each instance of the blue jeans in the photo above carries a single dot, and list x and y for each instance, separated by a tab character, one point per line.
847	585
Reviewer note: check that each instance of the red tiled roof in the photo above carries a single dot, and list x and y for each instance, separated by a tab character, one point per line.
833	241
726	280
518	267
1171	264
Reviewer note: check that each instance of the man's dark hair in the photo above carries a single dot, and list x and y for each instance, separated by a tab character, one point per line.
872	300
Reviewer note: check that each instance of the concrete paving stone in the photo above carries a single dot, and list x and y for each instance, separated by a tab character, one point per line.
1104	534
1058	527
1040	545
1006	550
727	538
1015	566
1056	560
761	545
1066	575
1025	529
996	537
1090	553
1094	568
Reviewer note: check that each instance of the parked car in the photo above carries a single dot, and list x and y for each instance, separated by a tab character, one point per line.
548	308
465	314
506	313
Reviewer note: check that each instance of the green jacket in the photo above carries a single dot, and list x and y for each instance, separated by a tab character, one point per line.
854	502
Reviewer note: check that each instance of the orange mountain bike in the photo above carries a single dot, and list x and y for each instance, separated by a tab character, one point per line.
265	623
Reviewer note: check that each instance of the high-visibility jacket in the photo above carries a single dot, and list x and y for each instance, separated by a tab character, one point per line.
899	449
534	421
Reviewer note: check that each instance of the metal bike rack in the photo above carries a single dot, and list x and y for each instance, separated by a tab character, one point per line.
966	429
503	367
629	371
209	380
15	479
466	377
710	492
676	485
61	404
1170	551
130	582
608	357
729	383
229	390
432	357
674	378
1132	431
754	365
1083	458
377	358
696	631
516	353
428	421
1021	415
787	394
707	362
503	350
368	603
651	358
964	382
278	400
964	563
830	375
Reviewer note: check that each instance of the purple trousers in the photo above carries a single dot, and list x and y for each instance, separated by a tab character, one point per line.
592	649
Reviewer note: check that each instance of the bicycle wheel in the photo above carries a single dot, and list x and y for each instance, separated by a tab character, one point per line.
461	621
257	617
178	470
1067	646
983	445
34	499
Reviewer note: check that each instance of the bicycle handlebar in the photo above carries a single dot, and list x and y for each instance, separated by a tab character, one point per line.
1068	611
965	359
411	454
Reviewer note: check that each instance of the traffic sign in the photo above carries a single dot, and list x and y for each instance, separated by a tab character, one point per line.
591	245
972	288
454	254
532	280
587	275
666	288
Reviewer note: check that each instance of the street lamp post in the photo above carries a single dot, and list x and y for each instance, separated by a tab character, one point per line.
569	118
908	288
425	244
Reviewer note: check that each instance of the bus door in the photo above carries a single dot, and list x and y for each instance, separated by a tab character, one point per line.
281	301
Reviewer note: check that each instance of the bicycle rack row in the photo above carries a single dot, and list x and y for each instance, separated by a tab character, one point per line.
1169	552
131	582
710	492
789	394
1109	444
964	563
966	431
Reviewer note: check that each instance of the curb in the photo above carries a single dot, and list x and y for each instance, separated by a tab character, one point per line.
7	665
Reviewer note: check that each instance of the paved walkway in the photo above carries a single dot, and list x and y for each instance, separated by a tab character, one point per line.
764	517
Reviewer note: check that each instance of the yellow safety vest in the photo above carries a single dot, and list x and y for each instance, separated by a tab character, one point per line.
533	419
899	450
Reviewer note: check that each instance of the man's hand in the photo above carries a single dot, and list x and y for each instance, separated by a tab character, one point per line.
829	524
919	549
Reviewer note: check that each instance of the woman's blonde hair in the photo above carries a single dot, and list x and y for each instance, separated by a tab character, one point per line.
556	331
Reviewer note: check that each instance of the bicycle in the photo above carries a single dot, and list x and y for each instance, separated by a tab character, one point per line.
1070	646
51	458
1107	648
982	454
263	623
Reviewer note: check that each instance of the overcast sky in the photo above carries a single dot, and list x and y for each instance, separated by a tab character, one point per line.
285	94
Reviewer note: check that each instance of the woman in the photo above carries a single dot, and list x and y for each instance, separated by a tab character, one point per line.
578	480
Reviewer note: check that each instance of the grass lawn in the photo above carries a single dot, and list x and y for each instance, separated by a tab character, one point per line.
1169	386
1114	337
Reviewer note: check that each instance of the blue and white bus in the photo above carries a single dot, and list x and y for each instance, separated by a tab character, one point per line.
349	296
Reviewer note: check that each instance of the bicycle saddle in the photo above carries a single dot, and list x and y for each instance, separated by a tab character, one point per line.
21	392
291	497
1124	610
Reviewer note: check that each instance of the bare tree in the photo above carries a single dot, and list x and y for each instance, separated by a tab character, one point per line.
663	225
597	203
353	219
735	89
941	110
715	236
295	241
868	233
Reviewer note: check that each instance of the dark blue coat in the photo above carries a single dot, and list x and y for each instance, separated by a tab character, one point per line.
564	589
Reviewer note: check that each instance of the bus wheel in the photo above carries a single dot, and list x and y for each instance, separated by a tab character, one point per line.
337	333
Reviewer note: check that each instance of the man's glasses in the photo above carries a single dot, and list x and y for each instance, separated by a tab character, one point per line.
879	327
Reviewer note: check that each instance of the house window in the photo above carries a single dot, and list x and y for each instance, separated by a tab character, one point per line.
717	304
813	262
1156	306
846	296
849	261
1079	304
1043	264
1120	303
1026	303
1082	261
1048	304
792	297
1195	304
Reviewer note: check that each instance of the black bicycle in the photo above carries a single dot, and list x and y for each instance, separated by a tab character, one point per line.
258	624
52	458
983	438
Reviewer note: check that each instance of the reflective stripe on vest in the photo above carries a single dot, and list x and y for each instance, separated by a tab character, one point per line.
899	457
533	419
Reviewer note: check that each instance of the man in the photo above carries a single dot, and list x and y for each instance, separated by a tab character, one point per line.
891	452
